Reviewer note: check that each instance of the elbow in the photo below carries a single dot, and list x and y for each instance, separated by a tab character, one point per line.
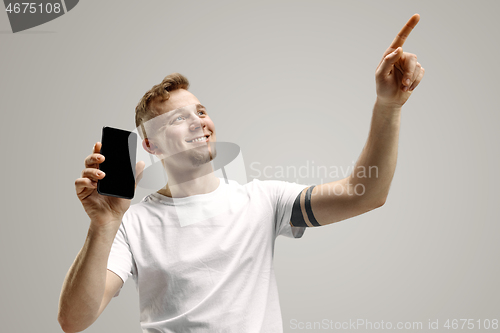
74	320
371	202
63	321
378	202
66	325
381	202
71	324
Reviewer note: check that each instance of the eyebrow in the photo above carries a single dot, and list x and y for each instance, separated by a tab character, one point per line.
171	113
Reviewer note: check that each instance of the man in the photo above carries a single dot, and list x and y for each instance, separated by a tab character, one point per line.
200	249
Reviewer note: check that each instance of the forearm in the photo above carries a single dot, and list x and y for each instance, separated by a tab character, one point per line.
84	285
376	165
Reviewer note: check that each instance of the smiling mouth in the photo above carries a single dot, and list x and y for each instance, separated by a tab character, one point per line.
199	139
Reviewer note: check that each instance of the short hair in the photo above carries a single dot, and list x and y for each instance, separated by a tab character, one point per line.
145	111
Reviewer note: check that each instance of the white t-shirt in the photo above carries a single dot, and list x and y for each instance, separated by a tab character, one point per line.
204	263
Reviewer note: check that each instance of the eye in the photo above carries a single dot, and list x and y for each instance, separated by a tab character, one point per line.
179	118
201	112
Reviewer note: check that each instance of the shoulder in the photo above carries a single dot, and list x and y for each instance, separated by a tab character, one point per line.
274	187
265	186
140	210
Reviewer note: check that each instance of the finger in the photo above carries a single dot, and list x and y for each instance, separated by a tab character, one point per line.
97	147
419	78
409	65
416	72
83	183
139	168
405	32
93	160
93	174
387	64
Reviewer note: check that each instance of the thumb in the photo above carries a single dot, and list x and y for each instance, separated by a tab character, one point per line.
389	60
139	168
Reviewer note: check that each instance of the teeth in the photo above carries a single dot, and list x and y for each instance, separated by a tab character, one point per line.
202	138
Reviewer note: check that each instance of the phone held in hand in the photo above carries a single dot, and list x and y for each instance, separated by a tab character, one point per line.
119	151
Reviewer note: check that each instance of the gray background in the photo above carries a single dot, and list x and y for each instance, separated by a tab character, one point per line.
290	82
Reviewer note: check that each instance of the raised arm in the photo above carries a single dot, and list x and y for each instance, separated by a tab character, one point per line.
367	187
89	285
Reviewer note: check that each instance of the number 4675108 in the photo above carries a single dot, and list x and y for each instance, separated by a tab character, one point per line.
31	7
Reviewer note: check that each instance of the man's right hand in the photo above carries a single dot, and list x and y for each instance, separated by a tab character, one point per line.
103	210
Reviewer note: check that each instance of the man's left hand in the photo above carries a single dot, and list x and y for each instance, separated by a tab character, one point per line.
398	73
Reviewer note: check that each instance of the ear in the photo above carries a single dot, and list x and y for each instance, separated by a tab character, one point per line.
149	146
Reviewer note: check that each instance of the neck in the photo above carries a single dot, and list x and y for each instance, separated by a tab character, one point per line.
186	183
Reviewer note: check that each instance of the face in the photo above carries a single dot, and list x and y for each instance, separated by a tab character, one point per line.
184	133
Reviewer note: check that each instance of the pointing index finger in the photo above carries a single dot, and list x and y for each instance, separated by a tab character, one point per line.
405	32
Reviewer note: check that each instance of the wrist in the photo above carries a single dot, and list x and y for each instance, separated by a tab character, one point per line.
388	106
387	110
104	226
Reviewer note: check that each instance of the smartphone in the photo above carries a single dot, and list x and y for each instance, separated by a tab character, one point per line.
119	149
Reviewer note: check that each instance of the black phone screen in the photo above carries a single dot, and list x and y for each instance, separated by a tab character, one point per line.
119	149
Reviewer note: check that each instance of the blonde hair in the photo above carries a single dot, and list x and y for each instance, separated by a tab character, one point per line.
144	111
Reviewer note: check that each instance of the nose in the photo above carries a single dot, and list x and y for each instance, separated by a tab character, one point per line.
196	124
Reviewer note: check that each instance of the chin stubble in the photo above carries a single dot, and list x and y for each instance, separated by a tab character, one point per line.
200	158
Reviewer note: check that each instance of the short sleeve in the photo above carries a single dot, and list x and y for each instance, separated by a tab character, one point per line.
284	194
120	260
